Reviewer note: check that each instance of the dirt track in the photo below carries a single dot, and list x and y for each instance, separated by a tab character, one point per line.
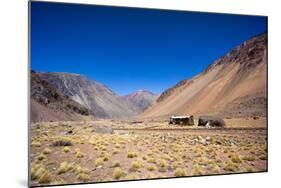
231	131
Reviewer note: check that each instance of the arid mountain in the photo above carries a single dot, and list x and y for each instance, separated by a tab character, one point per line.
141	99
103	102
234	85
49	104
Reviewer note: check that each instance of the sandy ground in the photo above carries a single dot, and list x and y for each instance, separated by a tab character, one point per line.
73	152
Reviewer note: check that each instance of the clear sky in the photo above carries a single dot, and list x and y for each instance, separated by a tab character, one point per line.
129	49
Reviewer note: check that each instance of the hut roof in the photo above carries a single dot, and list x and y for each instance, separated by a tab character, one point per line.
180	117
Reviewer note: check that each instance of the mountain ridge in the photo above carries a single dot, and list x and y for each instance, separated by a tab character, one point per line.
239	73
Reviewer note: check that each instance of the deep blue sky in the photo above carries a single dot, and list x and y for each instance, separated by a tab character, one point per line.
130	49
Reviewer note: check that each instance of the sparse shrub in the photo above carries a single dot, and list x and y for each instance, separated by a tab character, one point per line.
96	148
36	144
93	141
45	178
204	161
62	143
235	158
249	169
66	149
78	153
47	151
132	177
38	171
115	151
152	160
162	163
118	173
80	170
131	154
103	154
176	164
151	176
83	177
151	168
166	157
249	158
99	162
264	157
41	157
215	168
197	170
103	148
180	172
144	158
116	164
105	158
135	165
230	166
65	167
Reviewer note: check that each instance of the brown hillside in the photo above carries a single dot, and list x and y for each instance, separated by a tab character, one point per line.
234	85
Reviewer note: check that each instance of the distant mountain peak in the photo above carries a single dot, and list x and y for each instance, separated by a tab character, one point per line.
141	98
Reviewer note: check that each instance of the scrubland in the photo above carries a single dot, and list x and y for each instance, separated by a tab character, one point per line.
75	152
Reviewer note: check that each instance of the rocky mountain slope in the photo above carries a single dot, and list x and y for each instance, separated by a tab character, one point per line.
141	99
234	85
49	104
95	96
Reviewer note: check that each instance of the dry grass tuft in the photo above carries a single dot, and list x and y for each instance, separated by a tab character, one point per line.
45	178
230	166
180	172
135	165
63	142
83	177
35	144
132	154
197	170
38	171
235	158
41	157
152	160
151	176
151	168
249	158
64	167
99	162
47	151
78	153
116	164
66	149
115	151
118	173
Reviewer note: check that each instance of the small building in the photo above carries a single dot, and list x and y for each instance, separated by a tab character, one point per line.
211	121
182	120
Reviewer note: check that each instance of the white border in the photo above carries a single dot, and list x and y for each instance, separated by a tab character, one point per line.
13	95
